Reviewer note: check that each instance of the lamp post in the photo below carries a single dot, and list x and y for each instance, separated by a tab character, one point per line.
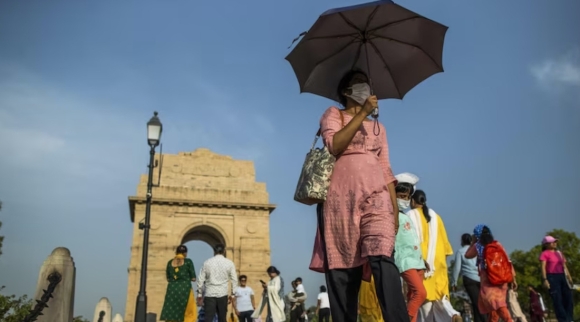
154	129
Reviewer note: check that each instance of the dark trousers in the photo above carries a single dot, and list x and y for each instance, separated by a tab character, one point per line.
245	316
344	285
324	315
215	305
472	288
296	313
561	297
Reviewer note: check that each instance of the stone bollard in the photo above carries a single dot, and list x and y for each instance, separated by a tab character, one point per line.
118	318
57	276
103	311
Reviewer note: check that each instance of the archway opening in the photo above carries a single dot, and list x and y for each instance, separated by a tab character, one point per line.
200	242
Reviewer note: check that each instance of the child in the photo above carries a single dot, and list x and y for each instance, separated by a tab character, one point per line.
408	254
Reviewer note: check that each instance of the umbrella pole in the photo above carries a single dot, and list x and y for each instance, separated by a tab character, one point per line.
375	114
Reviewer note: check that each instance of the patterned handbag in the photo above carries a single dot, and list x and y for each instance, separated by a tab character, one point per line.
316	171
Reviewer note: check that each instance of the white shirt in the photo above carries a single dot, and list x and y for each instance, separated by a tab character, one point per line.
244	299
214	275
300	288
324	302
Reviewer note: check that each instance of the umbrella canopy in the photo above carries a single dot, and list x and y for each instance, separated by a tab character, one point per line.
396	47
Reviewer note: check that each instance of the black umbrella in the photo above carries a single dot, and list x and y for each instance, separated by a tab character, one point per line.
396	47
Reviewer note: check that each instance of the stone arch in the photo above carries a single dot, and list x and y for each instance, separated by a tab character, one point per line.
206	232
201	196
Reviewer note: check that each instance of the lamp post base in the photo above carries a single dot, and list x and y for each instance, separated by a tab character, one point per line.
141	308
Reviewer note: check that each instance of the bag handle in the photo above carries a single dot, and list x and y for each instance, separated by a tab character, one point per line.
319	132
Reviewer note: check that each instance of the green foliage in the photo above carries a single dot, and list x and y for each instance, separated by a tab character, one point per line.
528	270
14	309
312	317
80	319
456	302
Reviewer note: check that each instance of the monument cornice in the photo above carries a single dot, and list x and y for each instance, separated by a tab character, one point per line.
133	200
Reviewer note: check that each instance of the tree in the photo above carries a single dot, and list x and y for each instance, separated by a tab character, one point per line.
312	316
456	302
80	318
528	271
13	309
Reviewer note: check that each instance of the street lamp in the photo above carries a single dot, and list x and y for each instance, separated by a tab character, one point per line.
154	129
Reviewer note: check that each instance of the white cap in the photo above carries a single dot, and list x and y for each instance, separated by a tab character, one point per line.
408	178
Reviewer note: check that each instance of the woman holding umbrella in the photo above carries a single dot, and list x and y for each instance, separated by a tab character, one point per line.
358	221
357	224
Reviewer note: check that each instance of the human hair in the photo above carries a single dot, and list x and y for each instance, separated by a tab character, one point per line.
243	277
420	198
322	288
273	270
181	249
486	236
219	249
465	239
405	187
345	83
545	246
299	279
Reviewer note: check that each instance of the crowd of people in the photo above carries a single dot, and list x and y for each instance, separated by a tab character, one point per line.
218	275
375	228
375	235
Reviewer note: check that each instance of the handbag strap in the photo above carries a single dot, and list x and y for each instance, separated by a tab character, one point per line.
319	132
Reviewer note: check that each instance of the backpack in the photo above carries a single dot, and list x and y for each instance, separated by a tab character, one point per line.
497	264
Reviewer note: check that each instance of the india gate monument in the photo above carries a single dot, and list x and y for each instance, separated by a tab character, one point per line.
203	196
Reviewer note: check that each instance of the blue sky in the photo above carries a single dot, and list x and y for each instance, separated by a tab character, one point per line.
494	139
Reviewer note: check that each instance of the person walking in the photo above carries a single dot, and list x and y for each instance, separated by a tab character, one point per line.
272	297
557	279
537	309
492	294
435	248
296	299
179	304
323	305
243	301
467	268
358	221
214	277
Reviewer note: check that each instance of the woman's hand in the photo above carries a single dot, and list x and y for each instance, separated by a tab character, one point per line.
371	103
570	280
546	284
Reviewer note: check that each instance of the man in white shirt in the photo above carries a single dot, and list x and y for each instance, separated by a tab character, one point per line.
214	275
323	305
243	301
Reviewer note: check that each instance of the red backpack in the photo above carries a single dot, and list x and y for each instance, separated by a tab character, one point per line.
497	264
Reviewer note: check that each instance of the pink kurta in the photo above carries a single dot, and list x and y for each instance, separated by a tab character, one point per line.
358	213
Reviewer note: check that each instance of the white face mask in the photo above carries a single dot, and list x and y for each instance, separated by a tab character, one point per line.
403	204
360	92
